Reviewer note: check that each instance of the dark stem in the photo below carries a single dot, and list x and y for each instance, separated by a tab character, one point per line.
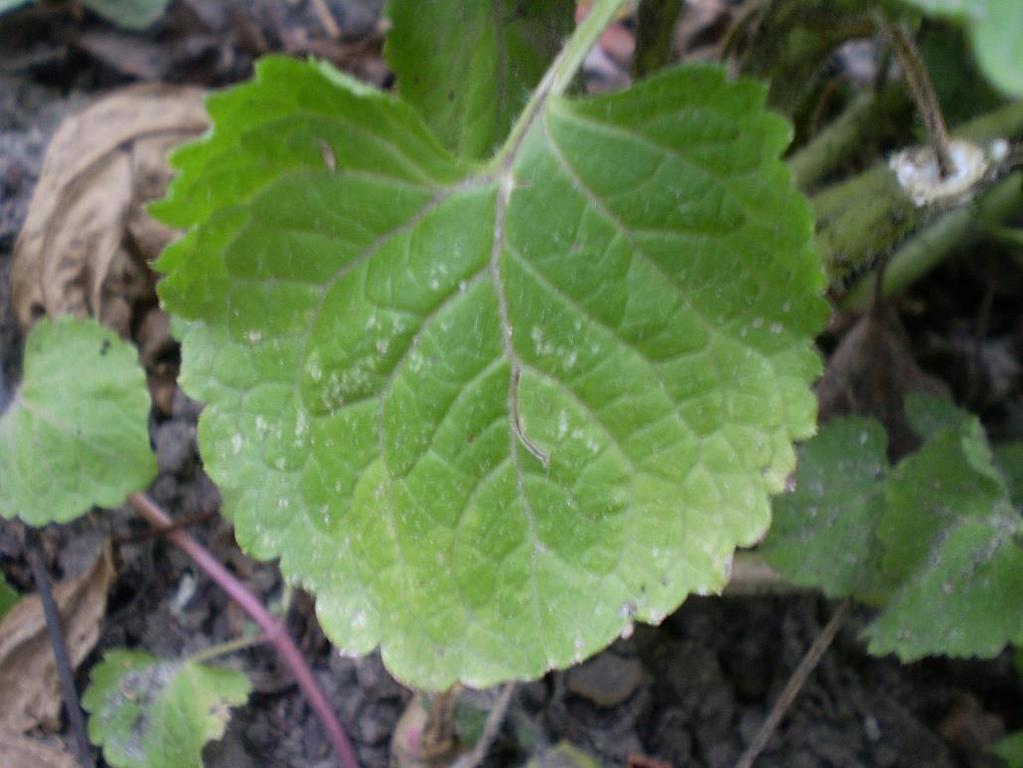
53	629
793	687
922	90
655	34
248	602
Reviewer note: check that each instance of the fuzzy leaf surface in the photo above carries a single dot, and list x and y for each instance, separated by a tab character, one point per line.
76	434
491	415
996	31
824	532
951	540
470	89
147	712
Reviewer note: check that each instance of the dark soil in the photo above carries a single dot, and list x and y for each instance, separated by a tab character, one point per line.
691	692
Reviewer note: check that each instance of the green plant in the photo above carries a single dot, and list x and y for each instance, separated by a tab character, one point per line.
491	414
496	369
934	542
75	437
151	713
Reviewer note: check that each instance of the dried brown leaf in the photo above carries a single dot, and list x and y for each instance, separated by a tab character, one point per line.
22	752
87	239
28	675
870	373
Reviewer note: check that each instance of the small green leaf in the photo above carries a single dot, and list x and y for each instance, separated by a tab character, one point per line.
8	597
76	434
130	14
996	30
1010	749
493	415
824	532
469	67
147	712
950	538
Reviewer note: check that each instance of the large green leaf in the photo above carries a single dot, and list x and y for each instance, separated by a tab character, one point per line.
468	67
824	532
76	435
152	713
996	30
492	414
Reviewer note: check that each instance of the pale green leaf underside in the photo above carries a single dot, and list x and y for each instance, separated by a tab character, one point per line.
357	326
951	539
76	434
996	32
147	712
935	542
468	67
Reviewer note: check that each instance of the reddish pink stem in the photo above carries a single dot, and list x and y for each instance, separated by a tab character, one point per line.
248	602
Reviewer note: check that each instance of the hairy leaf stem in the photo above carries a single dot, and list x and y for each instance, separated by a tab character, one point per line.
274	631
922	90
558	76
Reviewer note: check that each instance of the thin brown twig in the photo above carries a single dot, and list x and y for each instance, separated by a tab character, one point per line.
794	686
921	89
326	17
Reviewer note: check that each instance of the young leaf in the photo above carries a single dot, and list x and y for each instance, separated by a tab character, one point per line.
491	415
147	712
469	67
824	533
996	30
76	434
951	538
8	597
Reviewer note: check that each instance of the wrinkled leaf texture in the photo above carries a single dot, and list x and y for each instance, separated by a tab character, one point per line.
492	414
